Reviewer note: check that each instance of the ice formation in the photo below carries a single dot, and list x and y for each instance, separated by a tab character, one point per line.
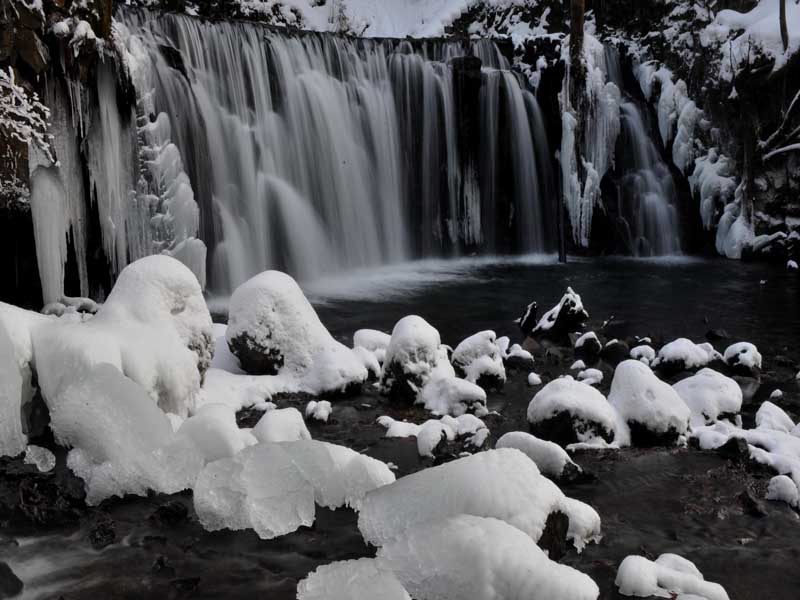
214	431
474	558
362	579
668	576
281	425
504	484
12	438
709	394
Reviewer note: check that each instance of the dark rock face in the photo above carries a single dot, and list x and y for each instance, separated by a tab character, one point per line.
554	537
401	387
735	449
254	358
570	317
10	584
643	437
615	352
103	533
527	322
564	429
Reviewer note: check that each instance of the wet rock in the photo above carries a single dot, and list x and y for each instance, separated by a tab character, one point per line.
7	36
714	335
254	358
10	584
735	449
31	50
103	533
644	437
564	318
615	351
170	514
527	322
587	346
564	429
185	585
162	567
751	505
554	537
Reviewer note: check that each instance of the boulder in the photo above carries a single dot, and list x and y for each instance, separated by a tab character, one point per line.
564	318
411	357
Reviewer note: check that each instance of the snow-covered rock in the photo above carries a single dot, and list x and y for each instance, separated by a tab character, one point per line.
744	358
551	459
534	379
373	340
412	355
776	394
643	354
566	411
281	425
668	576
588	345
591	376
154	327
564	318
474	558
783	489
710	395
578	365
122	443
504	484
362	579
370	362
214	431
478	360
274	330
682	355
791	265
517	358
452	396
653	410
42	458
433	432
318	410
772	416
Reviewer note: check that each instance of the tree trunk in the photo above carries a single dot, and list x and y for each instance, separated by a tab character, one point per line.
784	27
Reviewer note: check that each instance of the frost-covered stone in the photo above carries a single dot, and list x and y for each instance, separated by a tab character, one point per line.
412	355
122	443
154	327
273	329
452	396
474	558
710	395
362	579
566	411
653	410
772	416
744	358
319	410
478	360
504	484
551	459
668	576
564	318
682	355
783	489
281	425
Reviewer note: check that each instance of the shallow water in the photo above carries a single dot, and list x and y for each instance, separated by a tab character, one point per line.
650	501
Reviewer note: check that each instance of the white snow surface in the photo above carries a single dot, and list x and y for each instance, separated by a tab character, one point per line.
783	489
478	356
452	396
639	396
551	316
668	576
281	425
362	579
684	351
771	416
503	483
534	379
319	410
643	354
42	458
414	347
743	353
373	340
474	558
430	433
550	458
214	431
589	335
591	376
122	443
708	394
12	438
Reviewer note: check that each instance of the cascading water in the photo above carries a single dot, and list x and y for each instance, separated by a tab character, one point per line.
314	153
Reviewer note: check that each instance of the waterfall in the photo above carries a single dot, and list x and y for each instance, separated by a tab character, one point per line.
316	153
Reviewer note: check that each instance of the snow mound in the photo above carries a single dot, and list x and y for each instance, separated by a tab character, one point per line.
550	458
154	327
591	376
274	330
473	558
643	354
586	339
373	340
668	576
412	355
592	416
709	394
504	484
452	396
214	431
319	410
479	359
122	443
643	400
783	489
281	425
682	354
534	379
361	579
743	355
431	433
